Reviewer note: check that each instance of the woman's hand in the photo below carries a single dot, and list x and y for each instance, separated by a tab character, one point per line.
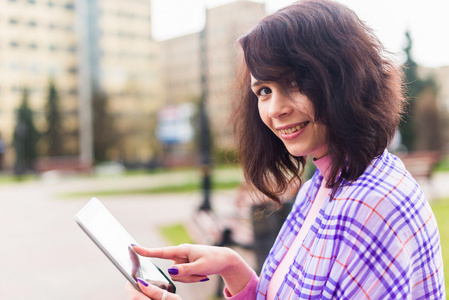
150	292
193	263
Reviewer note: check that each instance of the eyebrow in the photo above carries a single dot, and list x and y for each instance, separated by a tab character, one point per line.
257	83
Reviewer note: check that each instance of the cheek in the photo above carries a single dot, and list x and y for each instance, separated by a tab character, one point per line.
306	109
305	106
321	134
263	113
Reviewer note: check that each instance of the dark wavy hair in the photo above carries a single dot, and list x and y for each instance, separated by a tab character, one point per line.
342	68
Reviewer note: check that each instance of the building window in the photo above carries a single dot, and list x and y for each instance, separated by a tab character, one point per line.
32	2
69	6
32	23
34	69
14	66
13	21
13	44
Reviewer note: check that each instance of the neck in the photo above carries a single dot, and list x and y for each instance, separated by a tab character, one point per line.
324	165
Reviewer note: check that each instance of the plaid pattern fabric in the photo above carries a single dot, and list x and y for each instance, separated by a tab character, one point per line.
376	239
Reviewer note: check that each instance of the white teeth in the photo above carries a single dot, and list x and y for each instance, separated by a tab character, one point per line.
293	129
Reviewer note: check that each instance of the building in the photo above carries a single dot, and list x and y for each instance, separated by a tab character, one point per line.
181	73
181	70
85	46
37	44
224	25
440	76
124	63
181	58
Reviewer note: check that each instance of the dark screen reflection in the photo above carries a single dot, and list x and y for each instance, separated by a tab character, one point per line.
137	272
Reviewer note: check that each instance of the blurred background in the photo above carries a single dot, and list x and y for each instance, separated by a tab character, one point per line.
128	101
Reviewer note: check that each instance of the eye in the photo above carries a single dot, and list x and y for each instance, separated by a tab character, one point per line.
263	91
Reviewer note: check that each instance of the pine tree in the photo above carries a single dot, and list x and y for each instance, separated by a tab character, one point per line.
53	136
429	121
25	138
414	86
104	134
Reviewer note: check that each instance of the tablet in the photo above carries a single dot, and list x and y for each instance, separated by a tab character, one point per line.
110	236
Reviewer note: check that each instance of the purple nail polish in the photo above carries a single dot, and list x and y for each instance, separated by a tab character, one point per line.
142	281
173	271
204	279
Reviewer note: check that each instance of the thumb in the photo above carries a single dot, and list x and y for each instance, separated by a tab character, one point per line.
154	292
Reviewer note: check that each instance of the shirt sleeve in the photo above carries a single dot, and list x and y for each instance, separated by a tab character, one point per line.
248	292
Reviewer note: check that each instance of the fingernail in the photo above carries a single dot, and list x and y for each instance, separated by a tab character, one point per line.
204	279
134	245
142	281
173	271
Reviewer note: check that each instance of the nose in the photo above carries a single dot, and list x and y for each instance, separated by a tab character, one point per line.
280	105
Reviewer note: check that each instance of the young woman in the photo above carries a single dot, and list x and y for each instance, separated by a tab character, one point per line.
317	82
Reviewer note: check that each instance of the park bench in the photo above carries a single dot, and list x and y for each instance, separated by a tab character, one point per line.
63	164
420	164
248	225
209	228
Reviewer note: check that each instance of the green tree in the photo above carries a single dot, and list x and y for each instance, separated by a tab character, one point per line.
25	138
53	136
421	125
429	121
414	86
103	126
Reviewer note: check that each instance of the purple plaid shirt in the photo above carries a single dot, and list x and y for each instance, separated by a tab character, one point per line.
376	239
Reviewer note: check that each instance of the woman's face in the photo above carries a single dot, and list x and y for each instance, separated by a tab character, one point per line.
290	115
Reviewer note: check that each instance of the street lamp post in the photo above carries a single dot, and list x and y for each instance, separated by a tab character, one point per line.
205	144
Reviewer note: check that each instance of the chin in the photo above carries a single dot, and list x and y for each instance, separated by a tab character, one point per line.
296	153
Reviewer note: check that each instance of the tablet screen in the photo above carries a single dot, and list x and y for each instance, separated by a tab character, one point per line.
110	236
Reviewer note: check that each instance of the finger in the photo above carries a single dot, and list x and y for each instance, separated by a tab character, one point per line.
164	253
154	292
191	278
187	273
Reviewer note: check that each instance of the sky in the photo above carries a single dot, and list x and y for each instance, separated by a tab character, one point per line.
427	21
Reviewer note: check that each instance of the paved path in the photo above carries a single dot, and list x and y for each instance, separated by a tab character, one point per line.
45	256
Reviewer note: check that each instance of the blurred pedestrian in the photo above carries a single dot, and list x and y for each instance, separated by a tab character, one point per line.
316	81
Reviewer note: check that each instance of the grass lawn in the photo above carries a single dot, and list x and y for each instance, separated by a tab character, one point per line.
188	180
168	188
175	234
441	210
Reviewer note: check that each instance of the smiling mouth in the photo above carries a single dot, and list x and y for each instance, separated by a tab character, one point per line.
293	129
